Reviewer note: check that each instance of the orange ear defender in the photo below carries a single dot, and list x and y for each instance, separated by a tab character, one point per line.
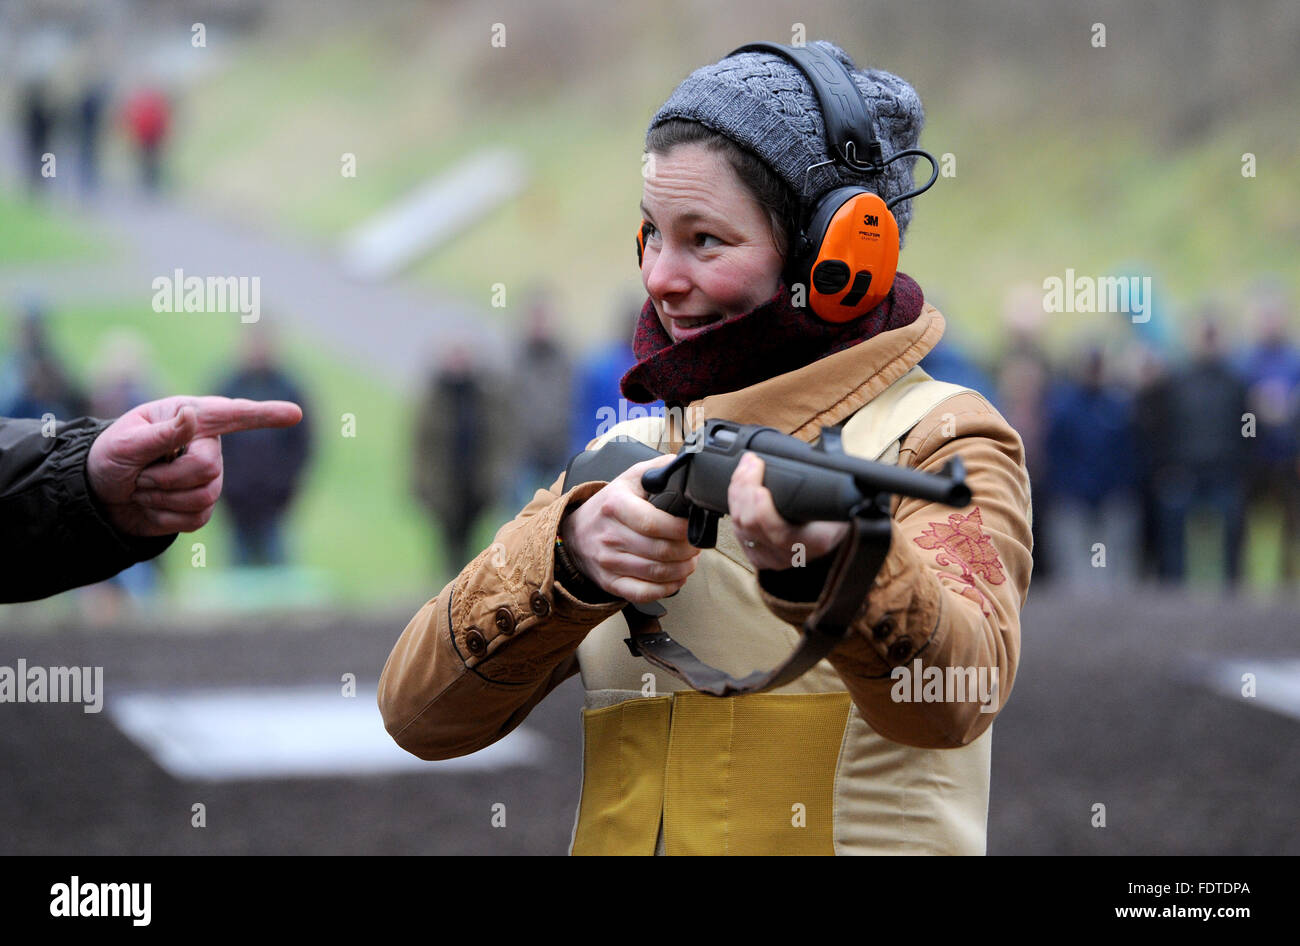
640	243
846	254
849	255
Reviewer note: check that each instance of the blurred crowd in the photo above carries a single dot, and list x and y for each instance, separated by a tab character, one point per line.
72	87
1136	446
1131	441
62	124
1128	441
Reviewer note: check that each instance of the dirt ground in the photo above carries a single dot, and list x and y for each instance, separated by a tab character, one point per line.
1107	708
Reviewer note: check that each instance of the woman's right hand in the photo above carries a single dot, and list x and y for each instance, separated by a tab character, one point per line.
627	546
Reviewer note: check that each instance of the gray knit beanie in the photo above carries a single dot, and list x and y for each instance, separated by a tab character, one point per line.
764	103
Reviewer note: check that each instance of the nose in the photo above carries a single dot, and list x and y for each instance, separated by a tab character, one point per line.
666	272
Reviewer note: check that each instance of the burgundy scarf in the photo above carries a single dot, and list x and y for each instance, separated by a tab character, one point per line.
770	340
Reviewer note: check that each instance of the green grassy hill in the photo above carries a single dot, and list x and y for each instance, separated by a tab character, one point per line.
1037	189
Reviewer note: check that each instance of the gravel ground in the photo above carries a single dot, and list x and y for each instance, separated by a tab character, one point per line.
1107	709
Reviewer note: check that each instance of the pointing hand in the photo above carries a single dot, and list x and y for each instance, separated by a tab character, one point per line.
157	468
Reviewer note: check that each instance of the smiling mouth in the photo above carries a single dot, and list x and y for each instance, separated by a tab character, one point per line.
696	322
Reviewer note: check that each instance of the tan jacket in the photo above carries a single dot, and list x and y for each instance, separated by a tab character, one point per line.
474	661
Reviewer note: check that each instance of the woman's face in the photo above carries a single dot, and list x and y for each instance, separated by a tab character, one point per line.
709	253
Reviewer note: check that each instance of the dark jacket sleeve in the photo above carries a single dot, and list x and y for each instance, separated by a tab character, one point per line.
54	535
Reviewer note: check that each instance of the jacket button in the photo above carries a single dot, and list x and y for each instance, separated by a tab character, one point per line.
541	607
900	650
476	642
884	627
505	621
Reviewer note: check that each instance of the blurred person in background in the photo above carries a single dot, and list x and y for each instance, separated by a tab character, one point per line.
463	453
37	120
1024	376
1151	451
28	309
47	389
1090	446
1271	370
85	90
1207	456
147	116
264	468
1153	346
120	376
33	380
599	372
89	118
542	380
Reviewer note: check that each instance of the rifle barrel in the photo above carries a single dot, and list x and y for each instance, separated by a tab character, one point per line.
871	476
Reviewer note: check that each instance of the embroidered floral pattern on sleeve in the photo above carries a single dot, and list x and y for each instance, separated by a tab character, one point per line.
962	542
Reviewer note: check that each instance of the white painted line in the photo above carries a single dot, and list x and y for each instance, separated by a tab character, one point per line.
433	213
1277	683
279	732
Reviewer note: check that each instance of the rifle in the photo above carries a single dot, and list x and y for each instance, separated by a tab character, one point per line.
807	483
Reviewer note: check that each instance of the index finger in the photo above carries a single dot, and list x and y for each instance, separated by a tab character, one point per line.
634	473
225	415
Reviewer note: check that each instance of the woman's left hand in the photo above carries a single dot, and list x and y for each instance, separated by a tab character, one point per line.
768	540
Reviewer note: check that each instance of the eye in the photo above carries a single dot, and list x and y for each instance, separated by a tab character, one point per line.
649	230
702	239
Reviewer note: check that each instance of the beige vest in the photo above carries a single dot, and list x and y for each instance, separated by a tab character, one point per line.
796	770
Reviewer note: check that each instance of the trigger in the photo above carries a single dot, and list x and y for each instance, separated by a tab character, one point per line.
702	528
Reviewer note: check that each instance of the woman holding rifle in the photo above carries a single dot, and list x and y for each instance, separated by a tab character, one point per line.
779	179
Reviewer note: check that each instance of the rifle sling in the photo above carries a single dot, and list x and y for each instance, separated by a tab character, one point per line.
851	577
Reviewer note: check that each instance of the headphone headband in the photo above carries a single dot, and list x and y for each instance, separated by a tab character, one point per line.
844	114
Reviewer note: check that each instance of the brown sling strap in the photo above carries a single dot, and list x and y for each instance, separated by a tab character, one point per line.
851	577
